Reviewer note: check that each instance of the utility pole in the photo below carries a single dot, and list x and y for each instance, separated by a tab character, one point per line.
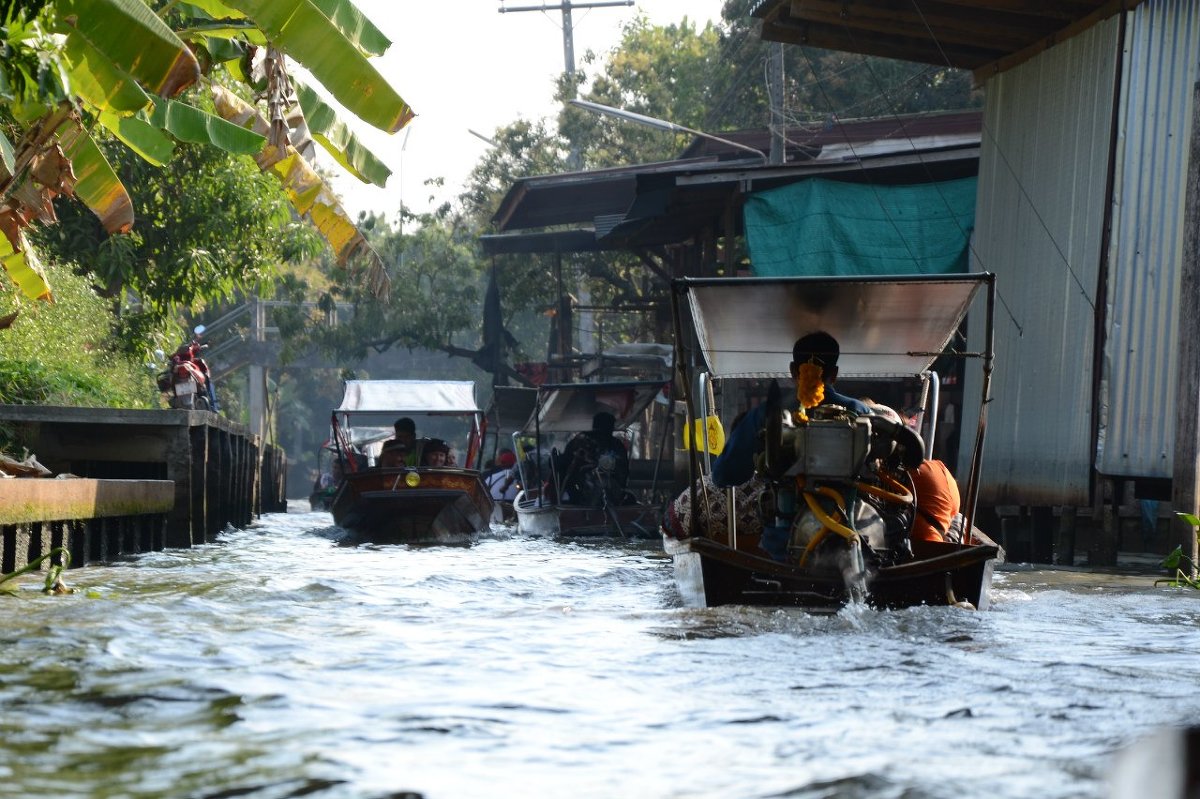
574	160
563	320
775	95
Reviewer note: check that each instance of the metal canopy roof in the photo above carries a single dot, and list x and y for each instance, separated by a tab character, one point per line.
408	396
968	34
888	326
569	407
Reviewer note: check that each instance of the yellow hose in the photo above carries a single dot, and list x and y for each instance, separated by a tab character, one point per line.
827	520
905	498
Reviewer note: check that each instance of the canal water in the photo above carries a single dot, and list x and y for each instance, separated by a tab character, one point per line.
276	663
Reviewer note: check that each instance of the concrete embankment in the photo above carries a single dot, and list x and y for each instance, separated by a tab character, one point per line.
131	481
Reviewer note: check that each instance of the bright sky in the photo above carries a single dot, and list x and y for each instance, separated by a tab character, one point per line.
464	66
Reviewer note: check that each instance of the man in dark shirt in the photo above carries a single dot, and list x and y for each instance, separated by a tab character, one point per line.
594	466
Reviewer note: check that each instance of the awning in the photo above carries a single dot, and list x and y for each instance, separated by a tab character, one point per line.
886	326
409	396
569	407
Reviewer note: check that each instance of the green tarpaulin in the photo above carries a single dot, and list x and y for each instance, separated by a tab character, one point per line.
825	227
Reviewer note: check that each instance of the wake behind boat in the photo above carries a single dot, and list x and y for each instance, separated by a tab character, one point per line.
410	490
830	511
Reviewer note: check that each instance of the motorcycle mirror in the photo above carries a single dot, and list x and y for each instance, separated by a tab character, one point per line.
199	331
158	353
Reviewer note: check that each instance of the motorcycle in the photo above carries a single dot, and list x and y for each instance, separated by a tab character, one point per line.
187	382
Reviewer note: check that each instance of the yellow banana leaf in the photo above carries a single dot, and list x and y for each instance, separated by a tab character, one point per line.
308	193
300	29
129	35
338	140
97	185
23	267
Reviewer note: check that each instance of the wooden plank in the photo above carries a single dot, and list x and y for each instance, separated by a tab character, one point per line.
941	22
921	50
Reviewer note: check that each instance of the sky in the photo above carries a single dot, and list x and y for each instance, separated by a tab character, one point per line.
465	66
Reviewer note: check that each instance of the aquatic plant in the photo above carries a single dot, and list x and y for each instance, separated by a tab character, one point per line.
54	582
1176	558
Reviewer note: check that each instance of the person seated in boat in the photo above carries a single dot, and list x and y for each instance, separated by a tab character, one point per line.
504	483
435	453
814	369
936	502
594	467
401	449
504	460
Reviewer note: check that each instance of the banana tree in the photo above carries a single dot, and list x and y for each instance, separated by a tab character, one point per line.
70	68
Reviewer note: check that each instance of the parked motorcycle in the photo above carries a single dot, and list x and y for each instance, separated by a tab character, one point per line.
186	382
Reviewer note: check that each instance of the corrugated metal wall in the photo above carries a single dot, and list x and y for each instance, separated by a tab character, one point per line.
1039	226
1162	47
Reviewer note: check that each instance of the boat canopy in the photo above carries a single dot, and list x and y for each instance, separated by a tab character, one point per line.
409	396
512	406
886	326
569	407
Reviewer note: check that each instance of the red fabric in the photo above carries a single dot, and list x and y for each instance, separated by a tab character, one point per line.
937	495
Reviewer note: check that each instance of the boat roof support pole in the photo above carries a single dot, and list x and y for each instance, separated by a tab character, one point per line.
681	367
989	354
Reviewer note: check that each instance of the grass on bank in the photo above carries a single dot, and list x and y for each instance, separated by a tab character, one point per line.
61	353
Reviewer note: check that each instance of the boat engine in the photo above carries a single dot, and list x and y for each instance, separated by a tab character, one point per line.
839	479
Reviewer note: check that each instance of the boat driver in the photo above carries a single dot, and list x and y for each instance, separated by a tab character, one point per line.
594	466
401	449
735	465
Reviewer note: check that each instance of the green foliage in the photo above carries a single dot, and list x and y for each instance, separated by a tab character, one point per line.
821	85
60	560
1183	567
211	225
436	292
59	354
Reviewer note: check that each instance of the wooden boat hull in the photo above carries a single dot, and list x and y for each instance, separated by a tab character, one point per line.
447	506
708	573
573	521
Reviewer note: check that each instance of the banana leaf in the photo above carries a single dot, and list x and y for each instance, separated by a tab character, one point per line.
216	9
301	29
191	124
23	267
7	158
140	136
223	31
100	82
129	34
96	184
338	140
308	193
359	30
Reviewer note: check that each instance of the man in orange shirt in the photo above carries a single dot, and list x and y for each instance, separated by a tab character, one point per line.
937	501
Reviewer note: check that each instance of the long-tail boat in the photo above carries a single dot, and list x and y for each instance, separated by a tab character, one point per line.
414	502
848	502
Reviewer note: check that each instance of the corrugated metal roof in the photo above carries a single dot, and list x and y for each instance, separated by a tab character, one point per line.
1039	226
959	33
1162	49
